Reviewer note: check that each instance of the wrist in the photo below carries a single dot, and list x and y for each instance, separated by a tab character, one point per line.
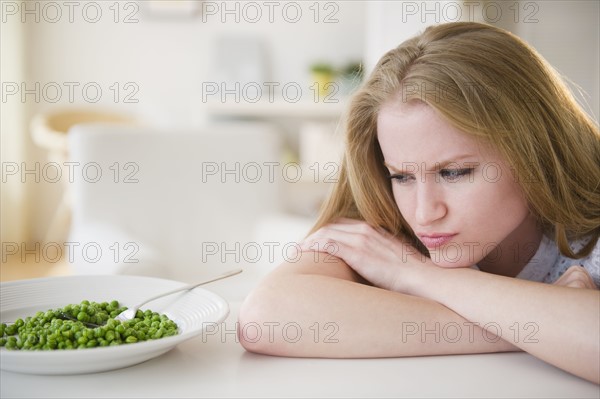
415	276
437	283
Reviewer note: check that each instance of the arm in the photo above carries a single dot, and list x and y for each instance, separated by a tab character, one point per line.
558	324
339	315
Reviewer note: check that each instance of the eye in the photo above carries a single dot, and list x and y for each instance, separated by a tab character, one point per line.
402	178
453	175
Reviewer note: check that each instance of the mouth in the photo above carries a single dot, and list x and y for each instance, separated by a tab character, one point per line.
436	240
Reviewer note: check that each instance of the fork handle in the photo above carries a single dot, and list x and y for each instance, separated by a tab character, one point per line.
190	286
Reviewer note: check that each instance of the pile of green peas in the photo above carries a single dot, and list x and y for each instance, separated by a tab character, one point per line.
65	328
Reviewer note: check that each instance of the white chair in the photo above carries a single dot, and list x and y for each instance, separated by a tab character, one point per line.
49	131
174	204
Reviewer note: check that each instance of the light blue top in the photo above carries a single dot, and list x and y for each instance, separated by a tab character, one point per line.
548	264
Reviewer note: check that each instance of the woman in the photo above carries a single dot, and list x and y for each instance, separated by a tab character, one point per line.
467	202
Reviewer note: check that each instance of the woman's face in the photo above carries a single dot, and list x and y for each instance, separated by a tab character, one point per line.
459	197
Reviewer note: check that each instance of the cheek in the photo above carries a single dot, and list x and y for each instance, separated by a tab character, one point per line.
513	203
504	197
404	202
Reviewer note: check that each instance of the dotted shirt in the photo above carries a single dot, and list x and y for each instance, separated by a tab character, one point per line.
548	264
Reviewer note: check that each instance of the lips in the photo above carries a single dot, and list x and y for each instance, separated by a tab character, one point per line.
435	240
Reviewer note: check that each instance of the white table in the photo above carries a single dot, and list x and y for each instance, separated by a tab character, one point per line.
217	366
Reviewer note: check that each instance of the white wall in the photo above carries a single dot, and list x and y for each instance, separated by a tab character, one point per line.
165	60
565	32
568	36
170	58
13	196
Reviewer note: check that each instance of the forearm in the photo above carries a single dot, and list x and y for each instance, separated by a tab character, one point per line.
559	325
338	317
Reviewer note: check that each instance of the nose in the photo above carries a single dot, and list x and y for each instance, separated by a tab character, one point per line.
430	205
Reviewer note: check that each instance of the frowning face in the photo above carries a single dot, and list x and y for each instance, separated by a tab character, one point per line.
458	195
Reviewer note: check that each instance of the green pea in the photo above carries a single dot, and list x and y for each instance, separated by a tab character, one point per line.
111	323
11	329
83	316
46	330
158	333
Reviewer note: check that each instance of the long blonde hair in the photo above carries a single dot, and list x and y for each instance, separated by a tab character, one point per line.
492	85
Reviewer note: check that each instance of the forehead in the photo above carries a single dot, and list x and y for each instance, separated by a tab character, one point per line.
417	132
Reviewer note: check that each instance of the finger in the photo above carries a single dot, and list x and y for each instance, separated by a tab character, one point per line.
586	277
364	231
322	240
354	234
353	225
576	277
565	278
328	246
350	223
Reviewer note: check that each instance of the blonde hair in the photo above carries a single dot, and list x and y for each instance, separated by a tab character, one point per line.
492	85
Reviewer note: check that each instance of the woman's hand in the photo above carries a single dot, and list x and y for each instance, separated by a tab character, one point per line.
576	277
375	254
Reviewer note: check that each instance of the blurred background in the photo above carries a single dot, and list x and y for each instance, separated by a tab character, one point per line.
136	88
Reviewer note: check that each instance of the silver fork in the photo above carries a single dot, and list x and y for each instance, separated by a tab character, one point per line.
129	314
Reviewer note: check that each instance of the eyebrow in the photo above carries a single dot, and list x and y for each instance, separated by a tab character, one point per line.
438	165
